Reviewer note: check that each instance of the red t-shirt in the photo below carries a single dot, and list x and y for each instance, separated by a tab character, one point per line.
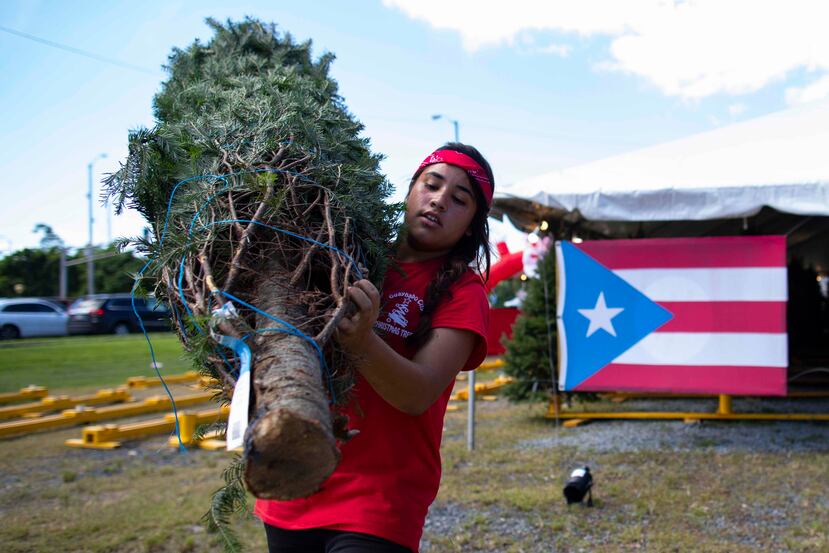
389	473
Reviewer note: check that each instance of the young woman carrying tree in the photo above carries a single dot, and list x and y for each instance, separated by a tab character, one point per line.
429	322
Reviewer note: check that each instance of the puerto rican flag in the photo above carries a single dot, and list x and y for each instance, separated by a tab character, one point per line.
678	315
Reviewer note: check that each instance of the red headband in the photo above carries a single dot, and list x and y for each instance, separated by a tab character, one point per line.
472	168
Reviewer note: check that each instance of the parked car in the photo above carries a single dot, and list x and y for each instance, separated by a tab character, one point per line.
113	313
25	317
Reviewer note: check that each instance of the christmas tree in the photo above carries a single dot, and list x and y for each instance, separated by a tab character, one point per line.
531	354
262	194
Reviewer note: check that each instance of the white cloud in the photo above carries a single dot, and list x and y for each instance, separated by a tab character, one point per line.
815	91
691	48
561	50
735	110
527	41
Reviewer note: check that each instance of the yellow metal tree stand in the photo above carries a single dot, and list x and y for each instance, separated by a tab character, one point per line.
724	412
27	393
110	436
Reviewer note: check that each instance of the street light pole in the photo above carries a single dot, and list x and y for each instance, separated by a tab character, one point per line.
109	221
90	264
470	416
453	121
62	274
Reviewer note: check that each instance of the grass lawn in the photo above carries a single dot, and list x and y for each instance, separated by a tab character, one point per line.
145	497
506	496
503	497
76	363
661	487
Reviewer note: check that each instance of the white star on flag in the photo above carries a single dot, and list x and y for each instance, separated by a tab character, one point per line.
601	316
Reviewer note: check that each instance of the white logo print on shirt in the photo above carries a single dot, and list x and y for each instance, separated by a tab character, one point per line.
397	319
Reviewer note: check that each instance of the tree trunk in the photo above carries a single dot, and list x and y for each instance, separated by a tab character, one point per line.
290	448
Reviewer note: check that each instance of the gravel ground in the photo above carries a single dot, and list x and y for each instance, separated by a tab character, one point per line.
718	436
448	519
610	436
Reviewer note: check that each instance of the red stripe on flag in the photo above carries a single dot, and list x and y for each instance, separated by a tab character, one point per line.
725	316
674	253
761	381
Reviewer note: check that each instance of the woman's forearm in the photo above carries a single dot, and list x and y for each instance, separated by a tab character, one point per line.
413	385
410	385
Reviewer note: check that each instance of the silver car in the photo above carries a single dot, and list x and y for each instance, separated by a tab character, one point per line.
26	317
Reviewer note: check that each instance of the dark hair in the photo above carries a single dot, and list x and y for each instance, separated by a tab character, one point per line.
472	248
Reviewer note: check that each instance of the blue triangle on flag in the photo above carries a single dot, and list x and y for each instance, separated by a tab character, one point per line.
602	317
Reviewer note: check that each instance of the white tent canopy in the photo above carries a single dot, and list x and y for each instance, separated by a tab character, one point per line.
779	160
766	176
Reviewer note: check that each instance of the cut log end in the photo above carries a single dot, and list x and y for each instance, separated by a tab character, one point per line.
288	457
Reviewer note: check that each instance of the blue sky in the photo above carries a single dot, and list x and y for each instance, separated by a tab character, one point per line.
536	86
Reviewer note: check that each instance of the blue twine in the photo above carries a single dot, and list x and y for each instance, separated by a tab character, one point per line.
295	331
328	376
305	238
152	356
290	329
195	218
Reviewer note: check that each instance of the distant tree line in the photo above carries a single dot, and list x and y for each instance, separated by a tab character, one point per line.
36	271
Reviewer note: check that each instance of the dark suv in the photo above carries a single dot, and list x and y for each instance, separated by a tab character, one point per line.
102	313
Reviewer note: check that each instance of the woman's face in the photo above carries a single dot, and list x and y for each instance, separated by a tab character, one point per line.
439	209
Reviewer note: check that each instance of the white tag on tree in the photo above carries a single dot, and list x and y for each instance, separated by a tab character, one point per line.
237	421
